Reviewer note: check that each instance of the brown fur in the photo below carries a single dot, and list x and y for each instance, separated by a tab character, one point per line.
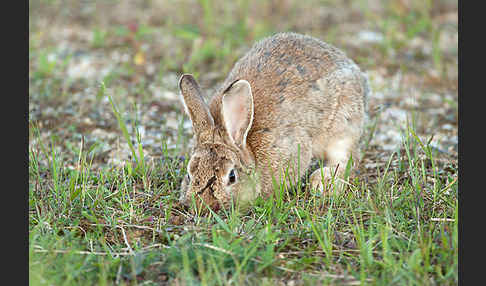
307	95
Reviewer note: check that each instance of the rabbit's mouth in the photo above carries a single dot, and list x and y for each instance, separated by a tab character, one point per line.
203	203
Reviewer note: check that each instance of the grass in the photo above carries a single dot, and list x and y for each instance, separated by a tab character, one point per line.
94	222
121	225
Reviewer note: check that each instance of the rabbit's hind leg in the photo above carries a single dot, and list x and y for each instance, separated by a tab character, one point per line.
336	155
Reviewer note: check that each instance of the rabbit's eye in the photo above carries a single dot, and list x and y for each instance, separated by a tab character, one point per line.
232	177
188	178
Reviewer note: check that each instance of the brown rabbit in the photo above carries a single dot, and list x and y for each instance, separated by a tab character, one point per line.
289	99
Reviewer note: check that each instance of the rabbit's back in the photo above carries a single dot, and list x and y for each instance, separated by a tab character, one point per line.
289	74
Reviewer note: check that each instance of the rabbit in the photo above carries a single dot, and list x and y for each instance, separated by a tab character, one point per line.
289	99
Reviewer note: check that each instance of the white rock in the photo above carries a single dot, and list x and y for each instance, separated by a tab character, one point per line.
367	36
447	127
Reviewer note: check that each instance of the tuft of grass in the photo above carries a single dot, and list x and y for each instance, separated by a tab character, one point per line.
99	38
138	154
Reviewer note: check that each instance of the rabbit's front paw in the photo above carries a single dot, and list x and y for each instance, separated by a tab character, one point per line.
325	180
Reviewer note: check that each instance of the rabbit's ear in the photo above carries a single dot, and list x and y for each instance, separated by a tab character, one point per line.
196	108
237	109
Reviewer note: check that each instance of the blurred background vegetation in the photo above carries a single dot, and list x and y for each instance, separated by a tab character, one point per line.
206	37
